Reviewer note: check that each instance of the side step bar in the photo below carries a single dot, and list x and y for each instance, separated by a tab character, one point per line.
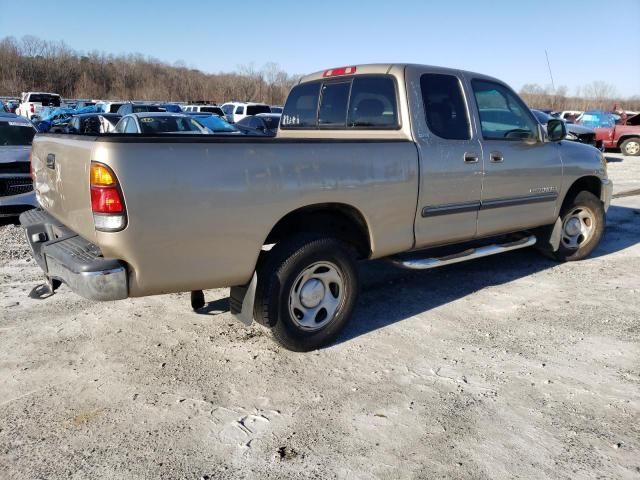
470	254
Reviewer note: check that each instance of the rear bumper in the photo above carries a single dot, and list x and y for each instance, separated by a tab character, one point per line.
66	257
605	193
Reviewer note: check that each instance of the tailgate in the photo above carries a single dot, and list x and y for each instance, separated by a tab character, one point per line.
61	179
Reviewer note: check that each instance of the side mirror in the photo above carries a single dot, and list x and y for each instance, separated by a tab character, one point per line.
556	130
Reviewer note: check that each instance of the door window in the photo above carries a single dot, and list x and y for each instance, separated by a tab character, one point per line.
503	116
240	111
444	106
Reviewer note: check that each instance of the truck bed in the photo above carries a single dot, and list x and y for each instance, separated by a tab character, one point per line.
218	198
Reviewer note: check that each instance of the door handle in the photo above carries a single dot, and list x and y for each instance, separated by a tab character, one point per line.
496	157
51	161
470	158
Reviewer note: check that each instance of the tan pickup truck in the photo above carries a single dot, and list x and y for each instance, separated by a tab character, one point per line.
423	165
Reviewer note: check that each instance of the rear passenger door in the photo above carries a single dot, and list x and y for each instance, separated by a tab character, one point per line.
450	160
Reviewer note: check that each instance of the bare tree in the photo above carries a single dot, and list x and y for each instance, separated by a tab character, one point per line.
34	64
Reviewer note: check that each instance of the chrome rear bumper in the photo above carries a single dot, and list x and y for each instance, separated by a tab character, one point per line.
66	257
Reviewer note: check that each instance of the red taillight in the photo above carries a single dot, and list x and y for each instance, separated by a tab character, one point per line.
336	72
106	200
107	203
32	108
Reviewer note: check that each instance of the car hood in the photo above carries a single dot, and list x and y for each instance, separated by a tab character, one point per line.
18	153
579	129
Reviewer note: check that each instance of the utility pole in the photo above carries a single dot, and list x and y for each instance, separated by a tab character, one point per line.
553	85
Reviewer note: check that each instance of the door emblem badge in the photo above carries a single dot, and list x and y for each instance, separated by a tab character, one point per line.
543	189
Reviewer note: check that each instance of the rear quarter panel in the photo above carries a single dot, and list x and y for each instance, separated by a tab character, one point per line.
199	213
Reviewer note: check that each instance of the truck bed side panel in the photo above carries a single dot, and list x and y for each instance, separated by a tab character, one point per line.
200	212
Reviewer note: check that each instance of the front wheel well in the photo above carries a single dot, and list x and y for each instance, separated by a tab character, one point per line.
590	184
340	221
623	138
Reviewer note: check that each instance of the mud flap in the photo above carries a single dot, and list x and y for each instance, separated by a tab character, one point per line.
554	238
242	299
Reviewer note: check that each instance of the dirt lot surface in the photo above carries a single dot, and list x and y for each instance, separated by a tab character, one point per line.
507	367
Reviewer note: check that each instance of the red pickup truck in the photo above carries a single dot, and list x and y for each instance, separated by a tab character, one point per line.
626	137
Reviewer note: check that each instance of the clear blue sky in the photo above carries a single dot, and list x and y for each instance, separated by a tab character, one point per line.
587	40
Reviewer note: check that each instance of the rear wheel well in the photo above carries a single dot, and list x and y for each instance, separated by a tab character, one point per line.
336	220
590	184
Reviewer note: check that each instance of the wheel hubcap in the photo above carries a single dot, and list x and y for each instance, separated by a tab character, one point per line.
316	296
633	148
312	293
578	228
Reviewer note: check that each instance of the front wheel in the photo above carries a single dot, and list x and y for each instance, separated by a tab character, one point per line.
583	221
307	289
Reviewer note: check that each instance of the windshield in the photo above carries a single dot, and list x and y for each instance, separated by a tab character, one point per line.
169	125
597	120
146	108
216	124
44	99
216	110
17	134
227	109
256	109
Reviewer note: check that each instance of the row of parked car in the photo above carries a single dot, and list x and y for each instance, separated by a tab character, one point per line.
49	114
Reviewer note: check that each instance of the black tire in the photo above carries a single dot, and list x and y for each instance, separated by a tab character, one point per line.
276	276
631	147
583	201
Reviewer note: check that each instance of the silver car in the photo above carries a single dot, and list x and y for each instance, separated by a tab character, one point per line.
151	123
16	186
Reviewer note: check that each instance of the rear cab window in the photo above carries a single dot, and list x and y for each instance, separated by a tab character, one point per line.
256	109
365	101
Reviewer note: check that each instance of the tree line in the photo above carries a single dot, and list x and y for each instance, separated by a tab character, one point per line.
33	64
597	95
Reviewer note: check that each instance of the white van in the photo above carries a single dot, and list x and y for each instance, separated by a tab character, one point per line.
236	111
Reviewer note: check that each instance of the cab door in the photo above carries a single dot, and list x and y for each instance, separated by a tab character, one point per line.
450	159
522	172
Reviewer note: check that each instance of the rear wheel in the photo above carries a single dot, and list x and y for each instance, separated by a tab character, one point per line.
307	290
583	221
631	147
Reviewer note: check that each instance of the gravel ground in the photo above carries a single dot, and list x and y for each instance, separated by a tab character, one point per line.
506	367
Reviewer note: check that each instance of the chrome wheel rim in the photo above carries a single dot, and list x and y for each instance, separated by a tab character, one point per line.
632	148
578	228
316	296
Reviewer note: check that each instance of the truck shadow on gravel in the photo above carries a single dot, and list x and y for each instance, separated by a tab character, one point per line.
390	294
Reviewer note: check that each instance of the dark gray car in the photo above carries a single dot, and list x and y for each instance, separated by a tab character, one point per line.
575	132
